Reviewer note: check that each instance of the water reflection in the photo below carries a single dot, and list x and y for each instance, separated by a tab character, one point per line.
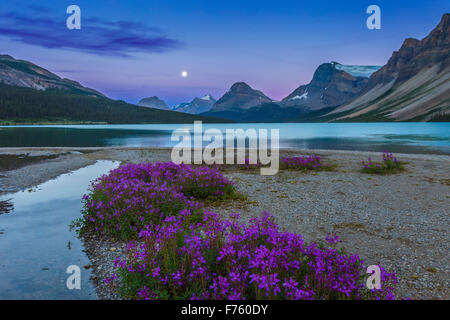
397	137
36	245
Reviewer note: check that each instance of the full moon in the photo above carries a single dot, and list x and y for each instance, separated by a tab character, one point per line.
184	74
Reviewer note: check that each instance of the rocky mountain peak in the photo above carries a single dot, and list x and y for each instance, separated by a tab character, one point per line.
241	87
240	96
197	105
332	84
153	102
414	55
413	85
207	97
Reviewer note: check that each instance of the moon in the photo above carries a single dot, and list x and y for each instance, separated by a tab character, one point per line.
184	74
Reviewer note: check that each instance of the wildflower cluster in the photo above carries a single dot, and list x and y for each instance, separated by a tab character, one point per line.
390	164
134	195
217	259
179	250
307	163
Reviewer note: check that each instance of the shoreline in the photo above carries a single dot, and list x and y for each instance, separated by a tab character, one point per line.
70	158
399	220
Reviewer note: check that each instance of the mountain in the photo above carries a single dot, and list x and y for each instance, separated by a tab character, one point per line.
153	102
31	94
332	85
413	86
240	97
25	105
266	112
28	75
197	105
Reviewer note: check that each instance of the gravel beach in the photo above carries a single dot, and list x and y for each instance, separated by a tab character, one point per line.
399	221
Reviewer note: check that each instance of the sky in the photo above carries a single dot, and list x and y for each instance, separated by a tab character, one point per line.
133	49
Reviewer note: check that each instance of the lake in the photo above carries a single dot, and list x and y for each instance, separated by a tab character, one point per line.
396	137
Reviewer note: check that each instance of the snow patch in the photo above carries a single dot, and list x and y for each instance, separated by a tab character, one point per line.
303	96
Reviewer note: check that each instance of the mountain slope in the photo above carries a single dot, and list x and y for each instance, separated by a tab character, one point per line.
413	85
332	85
197	105
31	94
25	105
28	75
153	102
240	97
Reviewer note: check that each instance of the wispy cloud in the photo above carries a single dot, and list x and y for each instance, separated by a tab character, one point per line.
97	36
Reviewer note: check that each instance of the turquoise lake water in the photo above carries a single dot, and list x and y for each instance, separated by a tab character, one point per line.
395	137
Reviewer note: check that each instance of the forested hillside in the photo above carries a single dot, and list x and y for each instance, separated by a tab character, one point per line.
25	105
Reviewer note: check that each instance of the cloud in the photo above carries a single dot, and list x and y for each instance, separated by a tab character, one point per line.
97	36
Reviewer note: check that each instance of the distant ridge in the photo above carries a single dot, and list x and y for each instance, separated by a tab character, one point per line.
31	94
153	102
197	105
28	75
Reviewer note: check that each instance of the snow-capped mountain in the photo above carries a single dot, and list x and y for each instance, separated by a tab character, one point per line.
332	85
413	86
197	105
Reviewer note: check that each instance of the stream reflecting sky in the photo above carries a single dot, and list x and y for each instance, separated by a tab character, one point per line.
36	245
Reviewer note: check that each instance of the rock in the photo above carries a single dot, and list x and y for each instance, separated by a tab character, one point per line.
331	86
153	102
240	96
196	106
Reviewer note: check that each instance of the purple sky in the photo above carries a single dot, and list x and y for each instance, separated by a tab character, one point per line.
134	49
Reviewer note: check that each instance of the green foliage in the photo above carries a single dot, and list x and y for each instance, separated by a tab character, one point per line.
389	165
28	105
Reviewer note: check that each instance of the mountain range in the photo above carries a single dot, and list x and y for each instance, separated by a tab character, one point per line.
32	94
414	85
332	85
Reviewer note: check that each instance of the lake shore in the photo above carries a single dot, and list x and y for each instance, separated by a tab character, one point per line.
399	221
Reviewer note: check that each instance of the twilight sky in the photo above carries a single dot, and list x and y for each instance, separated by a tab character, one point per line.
138	48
